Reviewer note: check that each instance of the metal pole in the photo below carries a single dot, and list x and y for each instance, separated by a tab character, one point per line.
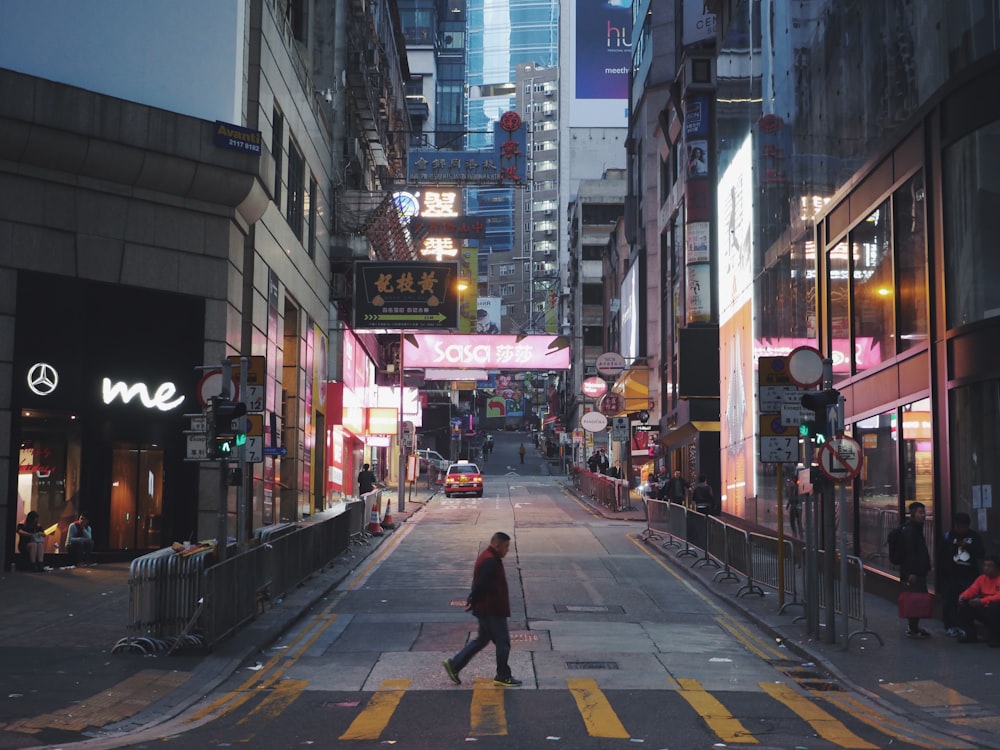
401	492
811	577
829	535
243	521
843	562
222	531
781	537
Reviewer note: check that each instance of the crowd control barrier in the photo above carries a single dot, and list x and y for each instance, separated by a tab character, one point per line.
855	594
754	556
185	598
610	492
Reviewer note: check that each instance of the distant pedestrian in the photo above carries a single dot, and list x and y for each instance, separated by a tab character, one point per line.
676	488
615	472
31	541
702	496
366	479
489	601
594	463
80	540
521	451
794	506
916	562
961	554
603	464
981	601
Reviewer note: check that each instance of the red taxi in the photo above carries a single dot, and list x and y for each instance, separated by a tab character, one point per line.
463	478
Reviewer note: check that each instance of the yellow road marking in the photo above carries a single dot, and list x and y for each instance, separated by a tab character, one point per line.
884	723
372	721
118	702
600	719
826	726
719	720
486	714
750	641
928	693
277	700
264	677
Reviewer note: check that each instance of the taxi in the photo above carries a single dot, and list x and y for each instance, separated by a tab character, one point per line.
463	478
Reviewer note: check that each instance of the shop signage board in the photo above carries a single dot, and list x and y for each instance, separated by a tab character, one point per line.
840	459
593	421
405	295
610	364
611	404
594	387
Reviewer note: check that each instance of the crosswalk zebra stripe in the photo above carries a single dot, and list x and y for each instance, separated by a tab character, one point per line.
597	713
718	718
372	721
826	726
283	695
487	715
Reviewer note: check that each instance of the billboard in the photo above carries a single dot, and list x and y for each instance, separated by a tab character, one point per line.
488	315
600	60
489	352
405	295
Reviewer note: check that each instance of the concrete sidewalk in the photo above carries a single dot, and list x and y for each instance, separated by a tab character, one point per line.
61	683
936	682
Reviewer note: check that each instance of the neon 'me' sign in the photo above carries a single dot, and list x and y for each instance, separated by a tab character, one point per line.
163	399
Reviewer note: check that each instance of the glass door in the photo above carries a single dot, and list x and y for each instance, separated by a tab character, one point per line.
136	496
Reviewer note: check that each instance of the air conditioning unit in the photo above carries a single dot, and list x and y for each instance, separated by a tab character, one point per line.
548	232
566	292
549	92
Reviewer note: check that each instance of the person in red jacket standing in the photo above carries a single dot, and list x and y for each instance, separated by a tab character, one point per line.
490	603
981	601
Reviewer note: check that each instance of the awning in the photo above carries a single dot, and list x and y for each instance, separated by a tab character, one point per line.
634	386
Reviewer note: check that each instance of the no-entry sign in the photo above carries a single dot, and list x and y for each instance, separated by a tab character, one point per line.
840	459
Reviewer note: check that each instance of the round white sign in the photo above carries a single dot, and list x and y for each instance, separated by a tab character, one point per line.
805	366
610	364
593	421
594	387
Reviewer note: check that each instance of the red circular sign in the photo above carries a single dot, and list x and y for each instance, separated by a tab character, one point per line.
510	121
611	404
594	387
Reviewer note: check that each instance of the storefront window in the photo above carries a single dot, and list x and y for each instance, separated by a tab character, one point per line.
874	321
911	259
975	443
879	503
971	224
839	284
918	463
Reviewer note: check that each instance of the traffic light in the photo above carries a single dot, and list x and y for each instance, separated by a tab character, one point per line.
819	426
226	428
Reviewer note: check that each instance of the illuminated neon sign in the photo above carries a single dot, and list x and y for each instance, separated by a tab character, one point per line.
486	351
163	398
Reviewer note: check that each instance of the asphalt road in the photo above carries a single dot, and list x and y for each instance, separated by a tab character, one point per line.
615	649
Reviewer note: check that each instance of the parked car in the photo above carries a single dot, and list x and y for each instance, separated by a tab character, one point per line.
463	478
432	460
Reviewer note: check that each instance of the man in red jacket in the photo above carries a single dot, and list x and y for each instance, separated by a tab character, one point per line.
490	603
981	601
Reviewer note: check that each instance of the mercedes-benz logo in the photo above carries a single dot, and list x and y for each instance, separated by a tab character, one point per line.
42	379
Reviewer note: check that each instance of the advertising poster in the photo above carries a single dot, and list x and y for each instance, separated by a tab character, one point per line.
488	315
600	58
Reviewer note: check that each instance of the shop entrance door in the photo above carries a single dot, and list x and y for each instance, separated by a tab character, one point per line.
136	496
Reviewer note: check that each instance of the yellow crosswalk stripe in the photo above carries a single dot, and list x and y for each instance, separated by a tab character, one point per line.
277	700
486	714
372	721
826	726
600	719
884	723
719	720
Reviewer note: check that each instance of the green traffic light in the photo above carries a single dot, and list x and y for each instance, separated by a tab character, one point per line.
225	448
820	439
803	430
241	438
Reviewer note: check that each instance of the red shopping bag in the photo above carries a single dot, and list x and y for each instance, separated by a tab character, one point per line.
915	604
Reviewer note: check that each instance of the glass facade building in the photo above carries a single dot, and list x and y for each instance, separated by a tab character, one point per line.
871	129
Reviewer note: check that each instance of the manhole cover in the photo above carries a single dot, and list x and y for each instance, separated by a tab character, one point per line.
592	665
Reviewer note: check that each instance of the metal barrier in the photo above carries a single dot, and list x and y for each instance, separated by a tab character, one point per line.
764	567
610	492
658	521
181	598
855	594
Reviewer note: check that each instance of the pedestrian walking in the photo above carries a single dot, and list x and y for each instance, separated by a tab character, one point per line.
489	601
981	601
615	472
676	488
961	554
794	506
366	479
521	451
916	562
702	496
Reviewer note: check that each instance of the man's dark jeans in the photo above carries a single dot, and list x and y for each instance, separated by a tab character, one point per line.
989	614
493	629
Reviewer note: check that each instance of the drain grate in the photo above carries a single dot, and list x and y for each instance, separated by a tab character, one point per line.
592	665
590	609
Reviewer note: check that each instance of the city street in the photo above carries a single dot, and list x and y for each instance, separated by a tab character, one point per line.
614	648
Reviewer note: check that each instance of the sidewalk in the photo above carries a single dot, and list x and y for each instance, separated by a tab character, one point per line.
60	681
936	682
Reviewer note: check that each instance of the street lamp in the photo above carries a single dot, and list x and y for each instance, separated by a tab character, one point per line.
462	285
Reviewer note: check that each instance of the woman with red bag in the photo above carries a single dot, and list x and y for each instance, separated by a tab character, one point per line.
913	572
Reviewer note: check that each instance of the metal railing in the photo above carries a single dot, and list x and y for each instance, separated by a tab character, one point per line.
610	492
185	598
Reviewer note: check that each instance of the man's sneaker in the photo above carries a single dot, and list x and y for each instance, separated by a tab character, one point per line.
918	633
506	681
955	632
452	674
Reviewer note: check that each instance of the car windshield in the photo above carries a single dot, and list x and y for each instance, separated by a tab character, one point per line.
464	469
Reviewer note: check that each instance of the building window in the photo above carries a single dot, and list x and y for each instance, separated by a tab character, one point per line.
974	413
507	290
295	14
911	258
311	242
277	148
971	225
838	269
507	269
878	507
296	184
874	287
